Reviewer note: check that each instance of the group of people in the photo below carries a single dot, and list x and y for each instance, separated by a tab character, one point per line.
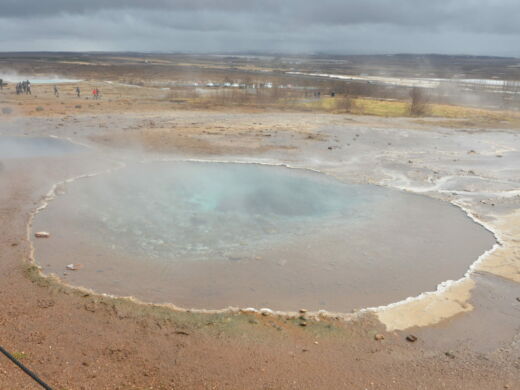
77	90
23	87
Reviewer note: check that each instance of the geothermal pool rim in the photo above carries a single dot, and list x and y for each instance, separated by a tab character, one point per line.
441	287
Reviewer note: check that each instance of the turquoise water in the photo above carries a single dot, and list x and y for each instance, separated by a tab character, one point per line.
202	211
211	235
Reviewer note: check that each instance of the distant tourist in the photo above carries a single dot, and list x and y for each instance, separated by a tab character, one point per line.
78	92
56	93
1	84
95	93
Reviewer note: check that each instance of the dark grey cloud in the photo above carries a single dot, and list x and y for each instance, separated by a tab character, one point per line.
343	26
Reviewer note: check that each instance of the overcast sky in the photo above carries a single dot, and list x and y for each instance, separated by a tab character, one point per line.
489	27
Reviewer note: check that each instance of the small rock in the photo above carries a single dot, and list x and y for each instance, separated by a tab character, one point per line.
74	267
182	332
266	312
449	354
330	148
303	311
42	235
303	323
379	337
45	303
518	299
411	338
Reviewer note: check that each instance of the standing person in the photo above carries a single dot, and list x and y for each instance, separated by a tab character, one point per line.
56	93
1	84
94	93
78	92
28	87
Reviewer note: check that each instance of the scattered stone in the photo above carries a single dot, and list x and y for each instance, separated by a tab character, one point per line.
303	311
472	152
410	162
45	303
411	338
14	244
182	332
330	148
74	267
303	323
266	312
379	337
499	156
449	354
42	234
518	299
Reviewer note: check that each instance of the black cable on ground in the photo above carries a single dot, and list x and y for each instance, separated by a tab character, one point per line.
25	369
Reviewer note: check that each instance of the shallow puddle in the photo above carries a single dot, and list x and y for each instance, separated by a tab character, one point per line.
212	235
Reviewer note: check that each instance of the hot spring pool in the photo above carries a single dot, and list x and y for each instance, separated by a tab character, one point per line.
212	235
